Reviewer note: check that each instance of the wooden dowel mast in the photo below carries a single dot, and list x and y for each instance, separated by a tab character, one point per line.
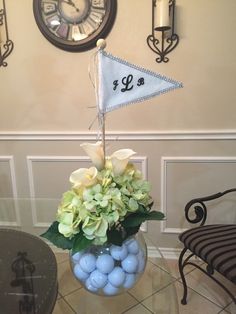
103	135
101	44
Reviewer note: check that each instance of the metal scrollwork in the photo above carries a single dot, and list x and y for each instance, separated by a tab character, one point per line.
168	38
153	43
7	46
200	208
200	212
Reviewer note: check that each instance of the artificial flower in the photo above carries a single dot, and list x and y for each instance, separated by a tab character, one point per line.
66	225
96	153
95	227
120	159
108	201
84	177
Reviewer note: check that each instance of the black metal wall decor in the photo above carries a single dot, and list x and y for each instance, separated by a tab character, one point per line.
6	45
163	38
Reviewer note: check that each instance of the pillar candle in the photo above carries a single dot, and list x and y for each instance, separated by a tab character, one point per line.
162	13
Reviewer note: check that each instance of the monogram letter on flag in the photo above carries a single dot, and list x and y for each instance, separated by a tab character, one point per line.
121	83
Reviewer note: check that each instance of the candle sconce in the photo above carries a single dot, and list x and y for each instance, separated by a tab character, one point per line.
163	38
6	45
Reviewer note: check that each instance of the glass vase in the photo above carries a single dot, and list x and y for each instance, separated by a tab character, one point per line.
108	269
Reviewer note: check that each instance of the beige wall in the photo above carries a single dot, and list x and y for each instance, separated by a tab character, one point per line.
186	139
49	89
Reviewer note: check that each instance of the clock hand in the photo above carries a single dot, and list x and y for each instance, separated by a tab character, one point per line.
70	2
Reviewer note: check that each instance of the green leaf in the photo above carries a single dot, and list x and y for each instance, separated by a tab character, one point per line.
150	206
115	236
146	208
131	231
80	243
136	219
155	215
142	209
56	238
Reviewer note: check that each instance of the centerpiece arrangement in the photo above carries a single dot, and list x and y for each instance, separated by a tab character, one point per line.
98	219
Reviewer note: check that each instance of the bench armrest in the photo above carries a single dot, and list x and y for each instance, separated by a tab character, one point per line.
200	208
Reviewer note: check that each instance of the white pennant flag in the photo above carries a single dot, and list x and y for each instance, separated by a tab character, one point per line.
121	83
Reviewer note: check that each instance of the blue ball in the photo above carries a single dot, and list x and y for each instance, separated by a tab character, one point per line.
132	246
89	286
117	276
98	279
109	289
87	262
118	252
79	273
130	263
76	257
141	261
105	263
129	281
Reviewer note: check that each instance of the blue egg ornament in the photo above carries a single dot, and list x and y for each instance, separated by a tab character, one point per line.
89	285
141	261
119	252
87	262
117	276
76	257
109	289
130	263
79	273
132	246
98	279
105	263
130	280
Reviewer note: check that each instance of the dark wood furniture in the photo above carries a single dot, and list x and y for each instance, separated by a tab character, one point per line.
215	244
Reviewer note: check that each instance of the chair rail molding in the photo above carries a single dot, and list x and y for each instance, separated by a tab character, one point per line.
121	136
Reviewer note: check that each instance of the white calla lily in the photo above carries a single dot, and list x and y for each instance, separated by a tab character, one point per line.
120	159
96	153
84	177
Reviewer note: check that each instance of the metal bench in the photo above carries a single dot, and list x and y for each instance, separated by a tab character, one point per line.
215	244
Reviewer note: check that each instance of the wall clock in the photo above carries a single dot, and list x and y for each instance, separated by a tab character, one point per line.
74	25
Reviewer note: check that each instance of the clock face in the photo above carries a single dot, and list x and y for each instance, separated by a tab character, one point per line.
74	25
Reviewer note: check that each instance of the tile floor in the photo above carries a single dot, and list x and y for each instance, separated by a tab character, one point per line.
147	297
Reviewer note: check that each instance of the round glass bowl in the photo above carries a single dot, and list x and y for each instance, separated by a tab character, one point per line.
108	269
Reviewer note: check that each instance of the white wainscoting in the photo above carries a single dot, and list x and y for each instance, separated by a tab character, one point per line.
165	162
32	161
11	193
30	156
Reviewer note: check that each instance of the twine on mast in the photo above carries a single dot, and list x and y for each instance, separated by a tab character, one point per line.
101	44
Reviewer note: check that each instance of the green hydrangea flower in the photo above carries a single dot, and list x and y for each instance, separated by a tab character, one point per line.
67	226
94	209
108	201
95	227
